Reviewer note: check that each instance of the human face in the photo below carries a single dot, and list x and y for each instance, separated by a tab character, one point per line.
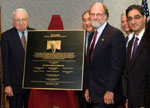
124	24
97	15
20	21
87	22
136	21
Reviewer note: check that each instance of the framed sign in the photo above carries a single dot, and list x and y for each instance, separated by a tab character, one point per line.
54	59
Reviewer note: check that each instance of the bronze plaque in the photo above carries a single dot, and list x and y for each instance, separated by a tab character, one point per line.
54	60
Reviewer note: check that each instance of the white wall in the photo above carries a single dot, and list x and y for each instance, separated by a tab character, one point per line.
40	11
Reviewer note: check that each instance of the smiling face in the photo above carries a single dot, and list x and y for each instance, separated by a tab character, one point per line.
124	24
87	22
20	20
97	15
136	21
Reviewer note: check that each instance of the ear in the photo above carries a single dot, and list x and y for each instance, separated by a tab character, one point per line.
105	17
144	18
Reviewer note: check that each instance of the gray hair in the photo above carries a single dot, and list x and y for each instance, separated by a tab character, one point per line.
20	10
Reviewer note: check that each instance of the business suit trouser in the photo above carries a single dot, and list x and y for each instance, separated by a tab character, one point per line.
82	101
19	100
97	105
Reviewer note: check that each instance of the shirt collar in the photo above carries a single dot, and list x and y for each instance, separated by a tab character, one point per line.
87	33
140	34
25	33
130	36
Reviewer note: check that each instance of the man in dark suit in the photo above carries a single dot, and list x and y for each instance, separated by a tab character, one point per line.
86	22
125	27
137	58
105	60
13	52
147	75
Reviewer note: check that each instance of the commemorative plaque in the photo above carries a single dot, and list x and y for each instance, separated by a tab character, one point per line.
54	60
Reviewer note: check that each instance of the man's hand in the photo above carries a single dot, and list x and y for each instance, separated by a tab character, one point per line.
109	97
126	104
8	91
86	95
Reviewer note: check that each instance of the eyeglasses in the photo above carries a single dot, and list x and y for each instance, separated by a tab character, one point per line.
97	15
136	17
20	20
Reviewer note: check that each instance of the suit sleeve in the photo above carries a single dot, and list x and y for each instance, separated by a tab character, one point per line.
5	59
118	51
145	79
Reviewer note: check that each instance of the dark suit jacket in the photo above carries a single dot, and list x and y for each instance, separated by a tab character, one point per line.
136	74
106	67
147	76
13	60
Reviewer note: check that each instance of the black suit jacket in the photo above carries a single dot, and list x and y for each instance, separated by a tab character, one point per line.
147	74
107	64
136	71
12	60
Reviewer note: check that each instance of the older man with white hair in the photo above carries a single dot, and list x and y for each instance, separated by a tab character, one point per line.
13	52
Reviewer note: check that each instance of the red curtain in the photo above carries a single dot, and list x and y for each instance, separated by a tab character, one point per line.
56	23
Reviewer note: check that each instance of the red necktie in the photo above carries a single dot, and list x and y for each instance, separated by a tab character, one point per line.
92	46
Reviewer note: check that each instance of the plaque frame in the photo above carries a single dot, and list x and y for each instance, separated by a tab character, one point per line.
54	60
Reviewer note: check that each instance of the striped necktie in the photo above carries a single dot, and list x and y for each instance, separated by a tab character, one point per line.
23	41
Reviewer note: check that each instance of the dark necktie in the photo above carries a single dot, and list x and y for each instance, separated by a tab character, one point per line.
134	47
92	46
23	41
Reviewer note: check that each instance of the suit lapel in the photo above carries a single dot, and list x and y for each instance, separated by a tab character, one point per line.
89	42
100	41
138	51
88	47
17	41
128	54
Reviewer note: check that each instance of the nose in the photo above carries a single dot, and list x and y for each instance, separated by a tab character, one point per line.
87	22
21	22
95	17
133	21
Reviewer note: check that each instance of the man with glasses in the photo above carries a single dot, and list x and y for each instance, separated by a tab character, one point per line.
137	58
13	52
105	60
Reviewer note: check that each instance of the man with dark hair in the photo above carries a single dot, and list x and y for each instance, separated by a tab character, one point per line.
105	60
136	58
86	21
